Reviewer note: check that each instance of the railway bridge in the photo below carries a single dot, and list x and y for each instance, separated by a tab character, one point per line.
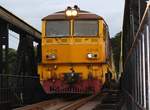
17	85
134	66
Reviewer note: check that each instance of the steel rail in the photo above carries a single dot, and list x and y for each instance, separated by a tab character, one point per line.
39	106
77	104
72	105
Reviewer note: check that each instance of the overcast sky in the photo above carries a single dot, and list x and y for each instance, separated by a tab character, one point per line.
32	11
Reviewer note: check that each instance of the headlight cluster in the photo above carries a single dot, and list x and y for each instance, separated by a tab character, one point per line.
51	57
72	11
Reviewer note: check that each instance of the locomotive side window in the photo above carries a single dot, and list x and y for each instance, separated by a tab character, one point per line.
86	28
57	28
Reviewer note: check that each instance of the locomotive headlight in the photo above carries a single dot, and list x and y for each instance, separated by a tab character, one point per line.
51	56
71	12
68	13
74	12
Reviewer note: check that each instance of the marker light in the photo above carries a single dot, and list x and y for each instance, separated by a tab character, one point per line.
91	55
51	56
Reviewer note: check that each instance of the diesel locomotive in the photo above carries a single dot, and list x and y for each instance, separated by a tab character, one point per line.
76	52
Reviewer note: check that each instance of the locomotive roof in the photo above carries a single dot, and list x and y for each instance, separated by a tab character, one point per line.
81	15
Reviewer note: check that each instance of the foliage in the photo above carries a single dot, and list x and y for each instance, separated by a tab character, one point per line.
12	59
116	47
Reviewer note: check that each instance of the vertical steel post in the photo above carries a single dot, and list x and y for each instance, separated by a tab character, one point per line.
27	68
148	53
143	72
148	65
140	75
1	60
3	46
4	92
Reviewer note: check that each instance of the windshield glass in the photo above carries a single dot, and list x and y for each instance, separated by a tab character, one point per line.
86	28
57	28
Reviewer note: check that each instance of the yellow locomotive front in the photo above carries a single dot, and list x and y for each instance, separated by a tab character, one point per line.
75	52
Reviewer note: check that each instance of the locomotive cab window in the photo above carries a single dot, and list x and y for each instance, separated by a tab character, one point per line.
57	28
85	28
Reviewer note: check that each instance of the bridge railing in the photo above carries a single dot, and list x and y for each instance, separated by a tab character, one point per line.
136	76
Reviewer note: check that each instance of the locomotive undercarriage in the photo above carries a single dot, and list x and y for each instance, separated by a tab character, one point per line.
57	86
74	82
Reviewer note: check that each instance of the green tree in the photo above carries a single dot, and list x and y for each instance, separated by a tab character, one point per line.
12	58
116	48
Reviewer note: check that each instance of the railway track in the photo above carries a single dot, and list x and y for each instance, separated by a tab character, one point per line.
110	100
41	105
77	104
59	104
